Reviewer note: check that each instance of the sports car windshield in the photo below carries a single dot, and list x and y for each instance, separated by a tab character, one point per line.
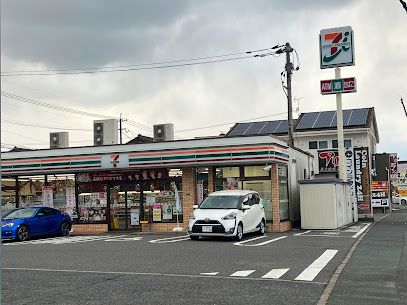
23	213
221	202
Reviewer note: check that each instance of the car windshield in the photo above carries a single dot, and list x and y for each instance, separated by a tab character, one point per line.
220	202
23	213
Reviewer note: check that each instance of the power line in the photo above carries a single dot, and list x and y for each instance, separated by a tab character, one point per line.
120	67
41	126
51	106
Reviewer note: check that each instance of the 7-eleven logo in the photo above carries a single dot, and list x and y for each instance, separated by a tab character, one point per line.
114	160
339	42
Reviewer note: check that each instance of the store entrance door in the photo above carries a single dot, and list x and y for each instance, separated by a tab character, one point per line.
124	209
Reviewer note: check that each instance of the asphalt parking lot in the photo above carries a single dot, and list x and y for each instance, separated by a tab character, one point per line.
278	268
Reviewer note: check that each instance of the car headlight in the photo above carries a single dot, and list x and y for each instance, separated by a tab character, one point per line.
7	225
192	216
230	216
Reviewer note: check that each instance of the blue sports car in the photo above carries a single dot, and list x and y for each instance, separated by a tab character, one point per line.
21	224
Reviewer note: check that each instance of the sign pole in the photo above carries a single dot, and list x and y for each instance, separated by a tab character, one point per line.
339	123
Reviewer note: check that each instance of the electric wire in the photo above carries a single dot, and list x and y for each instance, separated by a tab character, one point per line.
28	124
23	72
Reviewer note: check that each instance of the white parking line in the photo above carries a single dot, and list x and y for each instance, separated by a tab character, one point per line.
242	273
209	273
298	234
362	230
312	270
266	242
248	240
125	239
169	239
275	273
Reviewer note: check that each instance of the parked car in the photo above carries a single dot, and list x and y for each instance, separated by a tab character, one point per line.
22	224
228	213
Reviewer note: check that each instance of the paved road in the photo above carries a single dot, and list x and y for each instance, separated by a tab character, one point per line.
377	271
291	268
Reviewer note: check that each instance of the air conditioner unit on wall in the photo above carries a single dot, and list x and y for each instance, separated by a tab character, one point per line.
58	140
105	132
163	132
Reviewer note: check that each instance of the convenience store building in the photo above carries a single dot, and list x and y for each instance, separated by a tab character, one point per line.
153	186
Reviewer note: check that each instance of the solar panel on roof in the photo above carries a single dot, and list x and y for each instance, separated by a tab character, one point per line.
282	127
270	127
307	120
324	119
359	117
255	128
346	117
240	129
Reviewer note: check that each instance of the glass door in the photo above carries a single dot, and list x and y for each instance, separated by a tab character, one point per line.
124	209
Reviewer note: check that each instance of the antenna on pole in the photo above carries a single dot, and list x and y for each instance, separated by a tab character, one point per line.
402	103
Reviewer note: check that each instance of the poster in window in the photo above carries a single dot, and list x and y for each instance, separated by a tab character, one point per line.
71	202
48	196
157	212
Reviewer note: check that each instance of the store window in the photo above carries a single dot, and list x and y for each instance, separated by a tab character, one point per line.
227	178
313	145
283	191
347	143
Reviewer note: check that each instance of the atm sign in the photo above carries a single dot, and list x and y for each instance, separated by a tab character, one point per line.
341	85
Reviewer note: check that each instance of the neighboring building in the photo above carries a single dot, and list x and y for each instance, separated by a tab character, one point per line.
315	131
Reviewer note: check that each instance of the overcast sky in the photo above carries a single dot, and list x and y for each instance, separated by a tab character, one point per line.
48	35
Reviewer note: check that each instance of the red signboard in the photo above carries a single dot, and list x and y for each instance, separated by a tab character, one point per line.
340	85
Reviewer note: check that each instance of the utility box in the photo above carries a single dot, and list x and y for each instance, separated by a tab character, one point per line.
163	132
105	132
325	204
58	140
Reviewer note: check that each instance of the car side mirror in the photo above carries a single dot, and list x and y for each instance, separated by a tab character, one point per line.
195	206
245	207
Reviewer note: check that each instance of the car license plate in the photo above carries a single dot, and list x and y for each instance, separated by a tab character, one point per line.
207	229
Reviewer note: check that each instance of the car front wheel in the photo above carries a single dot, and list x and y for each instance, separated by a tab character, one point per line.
23	233
65	229
239	232
262	228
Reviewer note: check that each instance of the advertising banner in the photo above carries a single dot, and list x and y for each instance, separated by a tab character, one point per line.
328	161
122	176
71	202
199	192
380	194
48	196
134	217
350	176
393	166
362	179
336	47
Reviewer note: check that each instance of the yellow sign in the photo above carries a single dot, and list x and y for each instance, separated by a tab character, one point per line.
157	213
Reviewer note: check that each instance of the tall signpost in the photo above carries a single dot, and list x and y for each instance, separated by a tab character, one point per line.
337	50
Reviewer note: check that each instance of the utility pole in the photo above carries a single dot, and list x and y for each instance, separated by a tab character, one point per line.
120	129
289	70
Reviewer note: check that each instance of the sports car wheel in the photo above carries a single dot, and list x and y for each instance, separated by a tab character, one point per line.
23	233
239	233
65	229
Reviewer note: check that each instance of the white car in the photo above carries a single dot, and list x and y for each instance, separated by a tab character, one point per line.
228	213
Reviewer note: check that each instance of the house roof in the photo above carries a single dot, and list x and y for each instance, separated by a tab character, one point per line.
309	121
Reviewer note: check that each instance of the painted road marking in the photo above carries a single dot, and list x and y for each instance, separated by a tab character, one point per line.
169	239
275	273
125	239
154	274
248	240
266	242
362	230
298	234
312	270
209	273
242	273
63	240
